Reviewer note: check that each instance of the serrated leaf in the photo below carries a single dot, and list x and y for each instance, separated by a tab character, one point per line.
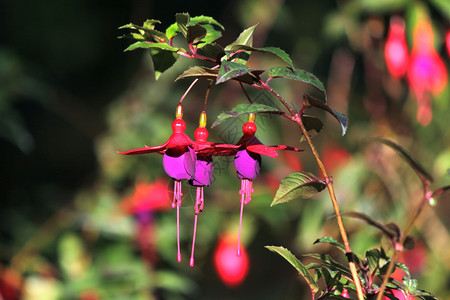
404	268
149	33
373	259
206	20
210	36
147	45
272	50
245	109
150	23
424	176
298	185
172	31
297	74
331	241
287	255
229	70
312	125
309	100
182	21
196	33
199	72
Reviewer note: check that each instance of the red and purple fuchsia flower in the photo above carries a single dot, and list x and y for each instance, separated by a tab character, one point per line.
185	159
247	162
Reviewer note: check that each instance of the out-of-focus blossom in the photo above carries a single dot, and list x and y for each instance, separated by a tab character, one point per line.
427	72
232	269
396	49
334	157
447	42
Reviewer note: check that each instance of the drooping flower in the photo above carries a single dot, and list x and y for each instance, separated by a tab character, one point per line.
427	72
247	162
178	161
396	49
232	269
203	174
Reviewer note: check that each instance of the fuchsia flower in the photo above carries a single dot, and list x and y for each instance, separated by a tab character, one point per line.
247	162
178	161
396	49
427	72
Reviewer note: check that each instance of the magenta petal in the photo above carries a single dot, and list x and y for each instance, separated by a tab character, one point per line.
179	163
247	164
203	171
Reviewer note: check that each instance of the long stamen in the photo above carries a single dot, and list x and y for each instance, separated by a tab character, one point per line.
242	192
178	202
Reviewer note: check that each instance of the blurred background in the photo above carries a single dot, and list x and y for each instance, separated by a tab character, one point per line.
79	221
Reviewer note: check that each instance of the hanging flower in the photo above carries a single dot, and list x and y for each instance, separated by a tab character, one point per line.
178	161
247	162
232	269
396	49
427	72
447	42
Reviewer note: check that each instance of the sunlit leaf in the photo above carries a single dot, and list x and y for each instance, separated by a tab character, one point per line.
245	109
206	20
373	257
245	39
199	72
286	254
229	70
147	45
298	185
212	50
332	264
309	100
182	21
297	74
424	176
210	36
272	50
331	241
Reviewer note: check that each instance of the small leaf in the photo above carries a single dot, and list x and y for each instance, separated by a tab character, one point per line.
182	21
297	74
298	185
245	109
272	50
229	70
206	20
312	125
286	254
199	72
172	30
424	176
404	268
195	33
330	241
245	38
309	100
148	45
331	263
210	36
373	257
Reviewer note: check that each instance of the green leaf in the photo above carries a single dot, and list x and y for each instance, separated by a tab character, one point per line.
210	36
272	50
332	264
196	33
384	6
148	32
147	45
206	20
298	185
312	125
309	100
229	70
211	50
297	74
182	21
172	30
199	72
442	6
245	38
162	60
287	255
331	241
373	257
245	109
424	176
404	268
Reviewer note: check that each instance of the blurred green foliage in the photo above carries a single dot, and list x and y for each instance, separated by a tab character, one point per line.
70	98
